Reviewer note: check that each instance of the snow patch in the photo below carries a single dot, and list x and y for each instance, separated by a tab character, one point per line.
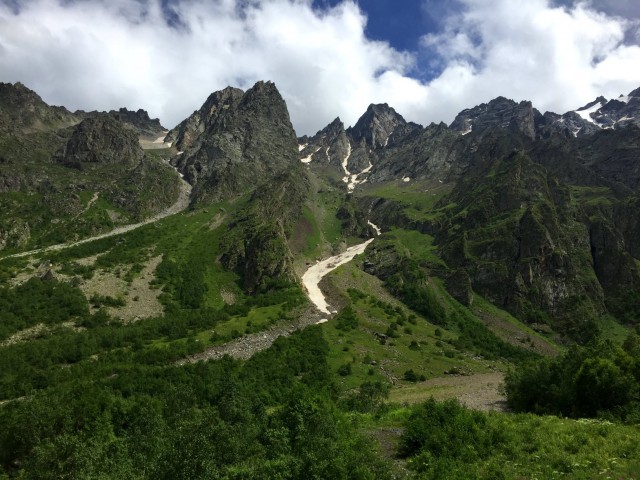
307	159
586	113
346	160
315	273
623	119
406	179
375	227
468	130
302	146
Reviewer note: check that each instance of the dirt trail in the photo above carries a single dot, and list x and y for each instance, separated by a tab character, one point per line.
181	204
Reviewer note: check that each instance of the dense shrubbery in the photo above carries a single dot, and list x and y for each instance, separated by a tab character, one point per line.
39	301
410	285
447	441
584	382
446	430
271	417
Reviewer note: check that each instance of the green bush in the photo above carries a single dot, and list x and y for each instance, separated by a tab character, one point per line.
346	320
584	382
447	431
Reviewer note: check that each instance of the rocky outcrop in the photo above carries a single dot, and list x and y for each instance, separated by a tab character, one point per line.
330	146
434	152
358	149
15	233
100	140
568	125
188	134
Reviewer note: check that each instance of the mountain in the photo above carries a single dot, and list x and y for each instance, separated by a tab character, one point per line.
247	324
102	140
498	113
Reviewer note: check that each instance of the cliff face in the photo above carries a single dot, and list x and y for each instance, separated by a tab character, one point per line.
517	235
499	112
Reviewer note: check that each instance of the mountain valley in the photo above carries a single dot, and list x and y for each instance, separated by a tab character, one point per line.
156	320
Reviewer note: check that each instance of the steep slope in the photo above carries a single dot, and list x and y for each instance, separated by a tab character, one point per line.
242	144
256	245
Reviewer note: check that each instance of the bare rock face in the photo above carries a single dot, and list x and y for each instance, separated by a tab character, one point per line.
357	149
433	152
236	142
101	140
330	146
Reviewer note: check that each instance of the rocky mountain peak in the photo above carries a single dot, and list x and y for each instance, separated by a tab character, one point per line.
139	120
500	112
100	140
235	141
376	125
600	101
264	99
22	109
212	112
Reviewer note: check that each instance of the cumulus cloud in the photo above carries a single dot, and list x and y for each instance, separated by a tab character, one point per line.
99	54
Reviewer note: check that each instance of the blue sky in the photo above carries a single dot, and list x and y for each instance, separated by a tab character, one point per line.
428	59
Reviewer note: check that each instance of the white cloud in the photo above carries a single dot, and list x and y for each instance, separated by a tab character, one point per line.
105	54
560	58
